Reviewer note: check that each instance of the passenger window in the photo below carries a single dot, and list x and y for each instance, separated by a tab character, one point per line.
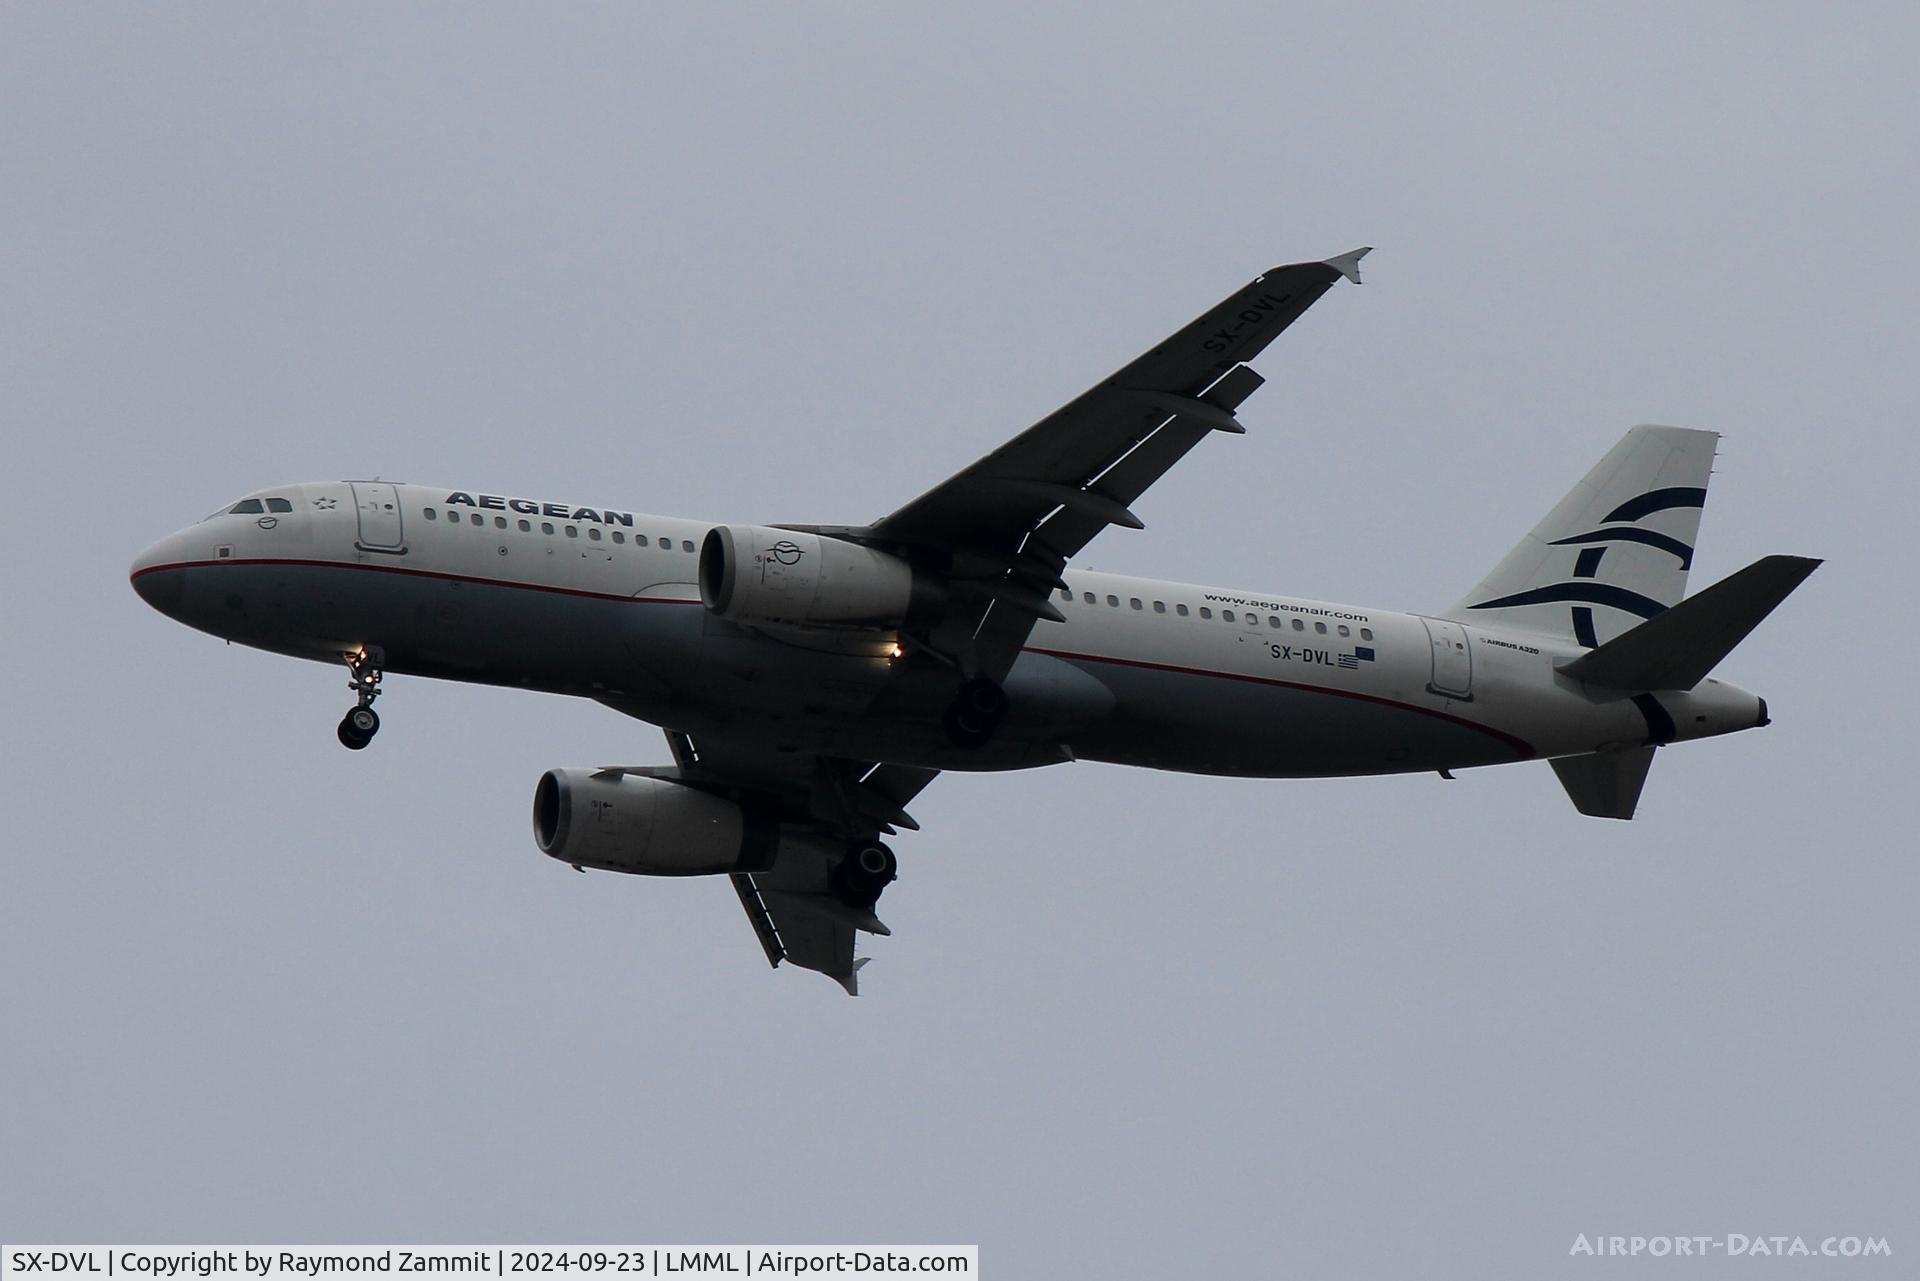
1299	626
573	531
546	527
639	540
619	537
686	544
525	528
1320	628
499	522
1089	598
478	519
1180	610
279	505
1366	633
594	534
1066	594
1273	620
246	507
1113	600
1253	620
1226	615
1344	631
1135	603
1205	612
432	514
1159	607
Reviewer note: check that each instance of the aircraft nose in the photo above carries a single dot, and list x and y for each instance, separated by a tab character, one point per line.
158	575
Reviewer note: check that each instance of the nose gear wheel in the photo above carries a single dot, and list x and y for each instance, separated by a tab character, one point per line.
361	722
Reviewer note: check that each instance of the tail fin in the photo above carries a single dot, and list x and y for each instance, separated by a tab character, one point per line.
1614	552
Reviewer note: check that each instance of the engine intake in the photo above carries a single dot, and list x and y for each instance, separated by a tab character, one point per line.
647	826
754	574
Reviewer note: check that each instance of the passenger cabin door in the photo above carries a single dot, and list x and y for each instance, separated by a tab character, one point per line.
379	507
1452	659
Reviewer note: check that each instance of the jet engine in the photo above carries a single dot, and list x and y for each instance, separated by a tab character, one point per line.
623	822
755	575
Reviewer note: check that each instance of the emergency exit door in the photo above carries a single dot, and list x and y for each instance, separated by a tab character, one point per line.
1452	659
379	507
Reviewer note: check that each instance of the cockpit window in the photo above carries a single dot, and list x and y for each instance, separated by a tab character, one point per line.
246	507
279	505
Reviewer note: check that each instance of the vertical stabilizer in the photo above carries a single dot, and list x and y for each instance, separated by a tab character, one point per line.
1614	552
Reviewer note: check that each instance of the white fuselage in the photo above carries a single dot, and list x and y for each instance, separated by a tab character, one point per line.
605	604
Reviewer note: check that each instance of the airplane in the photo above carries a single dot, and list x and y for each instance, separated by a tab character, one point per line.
812	680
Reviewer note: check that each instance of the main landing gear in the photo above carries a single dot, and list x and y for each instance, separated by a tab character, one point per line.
976	711
358	726
863	873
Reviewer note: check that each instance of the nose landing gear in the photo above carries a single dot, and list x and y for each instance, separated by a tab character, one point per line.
358	726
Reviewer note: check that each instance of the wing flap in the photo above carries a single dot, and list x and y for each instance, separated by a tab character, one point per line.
761	919
1067	531
1062	535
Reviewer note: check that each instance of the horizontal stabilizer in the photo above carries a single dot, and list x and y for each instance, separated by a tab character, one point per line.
1678	647
1605	784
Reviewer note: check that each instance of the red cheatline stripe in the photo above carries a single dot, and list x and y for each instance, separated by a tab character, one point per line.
1523	749
420	573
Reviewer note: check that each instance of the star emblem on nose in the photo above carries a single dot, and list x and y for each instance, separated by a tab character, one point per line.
326	504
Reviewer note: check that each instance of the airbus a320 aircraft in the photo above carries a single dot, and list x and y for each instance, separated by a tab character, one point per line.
813	679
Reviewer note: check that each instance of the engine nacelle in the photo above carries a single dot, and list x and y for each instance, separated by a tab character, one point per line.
753	574
648	826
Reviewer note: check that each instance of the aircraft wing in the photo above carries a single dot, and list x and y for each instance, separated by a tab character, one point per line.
1002	530
1015	517
828	803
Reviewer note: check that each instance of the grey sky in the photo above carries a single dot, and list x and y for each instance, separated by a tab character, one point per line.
800	263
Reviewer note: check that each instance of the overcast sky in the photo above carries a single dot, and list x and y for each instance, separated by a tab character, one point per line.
799	263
